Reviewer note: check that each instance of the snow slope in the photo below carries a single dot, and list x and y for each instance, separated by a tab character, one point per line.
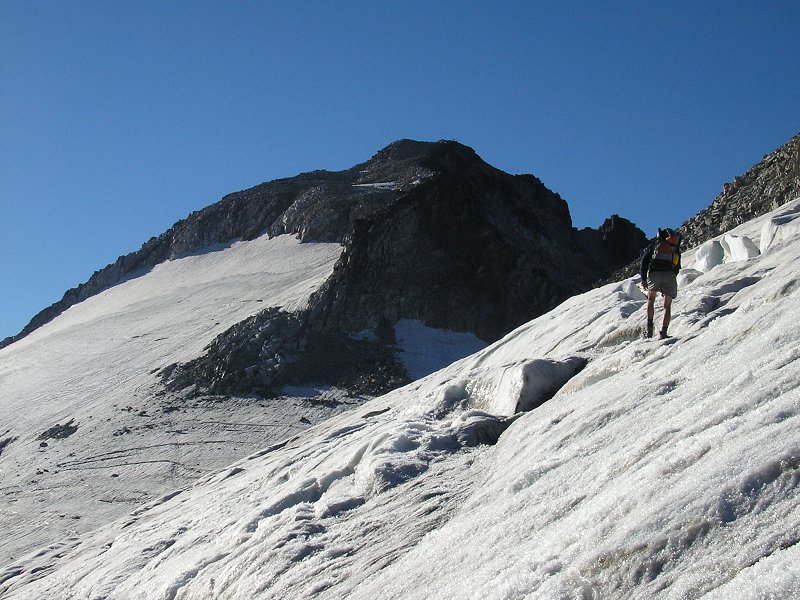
93	368
638	469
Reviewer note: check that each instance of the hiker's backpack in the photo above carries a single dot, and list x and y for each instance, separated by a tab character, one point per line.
666	252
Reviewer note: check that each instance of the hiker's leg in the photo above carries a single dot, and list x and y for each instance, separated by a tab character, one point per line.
667	313
651	301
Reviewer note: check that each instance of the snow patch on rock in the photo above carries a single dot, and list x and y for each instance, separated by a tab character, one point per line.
425	350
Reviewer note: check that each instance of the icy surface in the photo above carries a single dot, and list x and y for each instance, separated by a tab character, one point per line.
782	225
658	469
386	185
738	247
709	255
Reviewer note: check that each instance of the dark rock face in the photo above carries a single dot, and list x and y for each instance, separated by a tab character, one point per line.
620	239
441	257
59	431
769	184
482	252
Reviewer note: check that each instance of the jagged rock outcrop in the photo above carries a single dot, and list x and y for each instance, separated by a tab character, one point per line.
766	186
481	254
274	348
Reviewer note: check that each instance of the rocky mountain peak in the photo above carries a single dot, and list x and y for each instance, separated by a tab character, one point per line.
431	232
621	238
407	162
404	151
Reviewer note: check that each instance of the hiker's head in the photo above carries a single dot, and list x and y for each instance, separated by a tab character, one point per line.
669	235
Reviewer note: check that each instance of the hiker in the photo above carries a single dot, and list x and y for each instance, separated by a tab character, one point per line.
661	261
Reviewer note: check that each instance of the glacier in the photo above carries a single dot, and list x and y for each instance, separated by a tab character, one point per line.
571	459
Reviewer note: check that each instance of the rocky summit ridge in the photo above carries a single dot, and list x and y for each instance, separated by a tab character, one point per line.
769	184
430	232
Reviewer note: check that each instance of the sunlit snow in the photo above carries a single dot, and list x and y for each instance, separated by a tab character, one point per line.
643	469
95	365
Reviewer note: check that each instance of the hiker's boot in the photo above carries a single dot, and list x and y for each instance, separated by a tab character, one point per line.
649	332
663	334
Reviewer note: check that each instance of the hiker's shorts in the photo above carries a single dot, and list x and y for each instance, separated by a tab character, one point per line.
665	282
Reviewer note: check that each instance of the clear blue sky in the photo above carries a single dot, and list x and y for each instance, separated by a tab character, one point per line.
119	118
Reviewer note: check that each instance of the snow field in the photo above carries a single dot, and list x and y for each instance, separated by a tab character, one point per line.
614	508
95	365
658	469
